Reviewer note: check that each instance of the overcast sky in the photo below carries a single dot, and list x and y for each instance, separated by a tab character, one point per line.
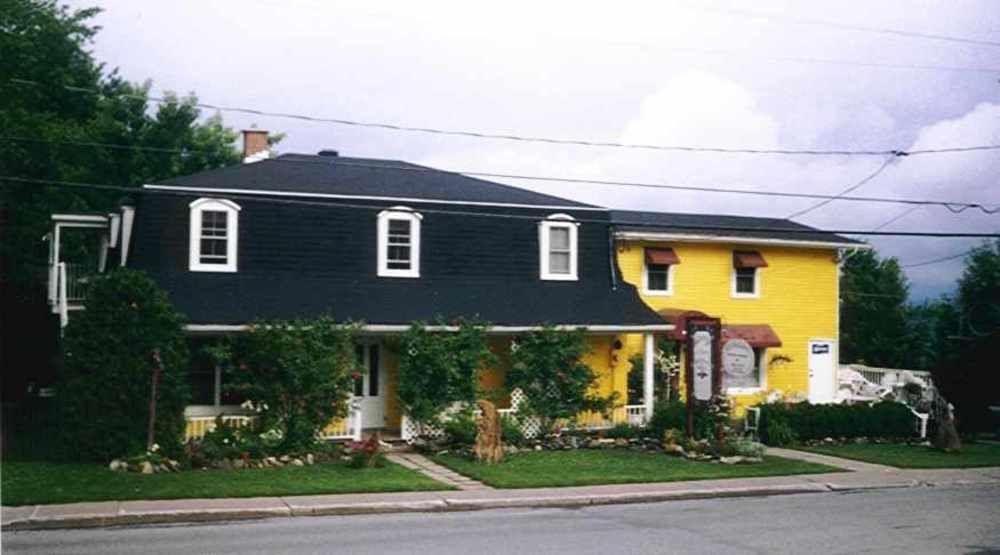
614	71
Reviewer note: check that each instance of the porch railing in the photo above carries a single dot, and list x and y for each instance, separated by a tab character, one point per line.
338	429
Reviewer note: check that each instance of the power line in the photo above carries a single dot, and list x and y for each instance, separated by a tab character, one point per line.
844	26
870	176
938	260
338	204
953	206
897	217
535	139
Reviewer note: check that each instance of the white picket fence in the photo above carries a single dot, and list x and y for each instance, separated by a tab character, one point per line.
339	429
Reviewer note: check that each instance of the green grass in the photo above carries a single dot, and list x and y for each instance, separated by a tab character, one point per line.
26	483
586	467
914	456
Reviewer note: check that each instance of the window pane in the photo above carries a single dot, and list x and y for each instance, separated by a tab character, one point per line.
658	277
399	227
559	238
745	281
559	263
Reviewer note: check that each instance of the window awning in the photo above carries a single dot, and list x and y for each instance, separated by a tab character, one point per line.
757	335
678	317
748	259
665	256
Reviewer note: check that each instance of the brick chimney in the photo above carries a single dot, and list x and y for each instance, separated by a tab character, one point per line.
255	145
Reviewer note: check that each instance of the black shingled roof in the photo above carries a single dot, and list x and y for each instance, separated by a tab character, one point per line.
337	175
723	226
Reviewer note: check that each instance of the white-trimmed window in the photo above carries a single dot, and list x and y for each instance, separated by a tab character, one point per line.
658	271
558	248
214	233
399	242
755	381
746	274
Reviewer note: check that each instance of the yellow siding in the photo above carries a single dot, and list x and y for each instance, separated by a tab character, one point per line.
798	298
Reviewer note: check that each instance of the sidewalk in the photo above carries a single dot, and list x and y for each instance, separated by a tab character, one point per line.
114	513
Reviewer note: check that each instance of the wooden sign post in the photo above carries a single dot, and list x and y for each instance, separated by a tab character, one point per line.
703	364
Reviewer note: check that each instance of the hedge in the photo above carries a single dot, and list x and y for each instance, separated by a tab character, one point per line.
805	421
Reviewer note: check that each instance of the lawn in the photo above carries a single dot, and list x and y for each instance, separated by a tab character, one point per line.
586	467
914	456
26	483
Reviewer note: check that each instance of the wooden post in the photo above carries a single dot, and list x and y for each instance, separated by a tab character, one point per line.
649	346
157	368
713	326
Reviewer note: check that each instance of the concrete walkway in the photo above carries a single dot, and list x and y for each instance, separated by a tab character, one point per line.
434	471
116	513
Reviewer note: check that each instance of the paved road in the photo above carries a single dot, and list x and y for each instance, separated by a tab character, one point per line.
960	519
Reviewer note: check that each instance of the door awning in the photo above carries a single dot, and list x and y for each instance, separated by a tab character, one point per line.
757	335
748	259
678	317
665	256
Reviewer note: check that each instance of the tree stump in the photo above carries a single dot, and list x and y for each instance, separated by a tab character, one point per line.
488	446
947	438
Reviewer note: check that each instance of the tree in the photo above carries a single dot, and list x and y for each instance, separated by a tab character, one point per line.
547	366
53	129
873	325
439	370
966	372
105	391
298	374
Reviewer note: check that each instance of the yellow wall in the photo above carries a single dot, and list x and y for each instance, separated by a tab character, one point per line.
798	298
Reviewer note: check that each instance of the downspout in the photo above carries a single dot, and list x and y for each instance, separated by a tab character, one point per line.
611	258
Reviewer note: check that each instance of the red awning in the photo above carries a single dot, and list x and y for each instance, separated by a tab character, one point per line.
748	259
662	256
678	317
757	335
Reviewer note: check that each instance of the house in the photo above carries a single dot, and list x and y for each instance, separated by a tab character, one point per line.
774	283
389	243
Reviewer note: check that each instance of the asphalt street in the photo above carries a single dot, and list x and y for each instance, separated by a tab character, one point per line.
958	519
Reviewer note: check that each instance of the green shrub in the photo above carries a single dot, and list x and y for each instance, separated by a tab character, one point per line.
299	375
784	423
674	415
108	352
623	431
746	447
461	429
510	430
547	365
439	369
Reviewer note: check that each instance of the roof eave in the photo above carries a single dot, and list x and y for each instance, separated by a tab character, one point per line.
698	238
399	328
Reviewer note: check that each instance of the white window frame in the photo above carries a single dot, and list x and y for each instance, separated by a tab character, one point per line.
645	280
232	211
756	286
762	372
399	213
558	221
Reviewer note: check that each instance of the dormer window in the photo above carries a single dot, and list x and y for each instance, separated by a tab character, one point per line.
558	248
214	232
399	243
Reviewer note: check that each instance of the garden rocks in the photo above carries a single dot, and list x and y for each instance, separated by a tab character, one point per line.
146	467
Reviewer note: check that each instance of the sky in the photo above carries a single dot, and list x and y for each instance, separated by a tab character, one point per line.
711	74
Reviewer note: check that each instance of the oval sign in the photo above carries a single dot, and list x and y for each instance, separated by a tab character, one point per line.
738	362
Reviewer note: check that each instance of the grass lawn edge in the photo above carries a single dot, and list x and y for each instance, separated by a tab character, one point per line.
980	455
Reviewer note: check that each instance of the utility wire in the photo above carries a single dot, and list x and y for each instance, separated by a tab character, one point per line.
535	139
338	204
843	26
897	217
938	260
953	206
870	176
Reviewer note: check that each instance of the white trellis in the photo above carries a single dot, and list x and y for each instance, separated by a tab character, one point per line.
531	426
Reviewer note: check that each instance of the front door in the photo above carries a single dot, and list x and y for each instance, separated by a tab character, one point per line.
370	389
821	371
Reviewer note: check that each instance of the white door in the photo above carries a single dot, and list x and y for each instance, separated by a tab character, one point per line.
371	387
821	371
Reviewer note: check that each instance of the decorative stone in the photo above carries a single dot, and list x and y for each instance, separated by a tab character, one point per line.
538	448
297	462
239	464
117	465
285	458
621	442
731	460
146	467
271	461
674	449
174	465
310	459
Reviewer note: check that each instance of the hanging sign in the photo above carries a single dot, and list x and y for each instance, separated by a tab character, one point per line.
701	364
738	364
702	367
